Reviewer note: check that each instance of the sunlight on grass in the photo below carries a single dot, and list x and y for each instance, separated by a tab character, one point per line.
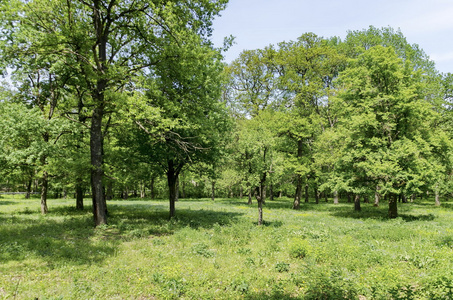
215	250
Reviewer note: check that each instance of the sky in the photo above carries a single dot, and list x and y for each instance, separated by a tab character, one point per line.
256	24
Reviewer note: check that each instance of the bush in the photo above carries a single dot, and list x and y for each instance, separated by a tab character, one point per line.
299	248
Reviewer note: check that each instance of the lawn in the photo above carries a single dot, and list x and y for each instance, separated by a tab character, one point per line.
215	250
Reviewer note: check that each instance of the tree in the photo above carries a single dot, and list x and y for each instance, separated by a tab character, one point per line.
307	67
104	44
387	126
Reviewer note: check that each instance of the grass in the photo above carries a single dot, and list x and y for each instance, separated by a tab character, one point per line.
214	250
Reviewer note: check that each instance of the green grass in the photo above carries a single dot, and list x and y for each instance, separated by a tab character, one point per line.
215	250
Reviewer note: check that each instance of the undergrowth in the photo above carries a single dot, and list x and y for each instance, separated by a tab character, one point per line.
215	250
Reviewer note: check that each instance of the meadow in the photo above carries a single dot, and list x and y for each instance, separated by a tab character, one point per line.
215	250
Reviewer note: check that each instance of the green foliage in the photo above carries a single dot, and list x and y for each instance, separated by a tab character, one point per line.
299	248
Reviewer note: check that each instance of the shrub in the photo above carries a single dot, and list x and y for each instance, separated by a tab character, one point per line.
299	248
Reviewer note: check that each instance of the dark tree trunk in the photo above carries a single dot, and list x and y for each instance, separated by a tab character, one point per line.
241	192
79	196
213	190
109	195
44	187
306	193
316	195
357	203
349	198
325	197
250	197
335	197
172	179
366	199
29	183
393	206
96	149
403	198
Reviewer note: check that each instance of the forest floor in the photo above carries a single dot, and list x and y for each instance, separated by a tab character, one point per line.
215	250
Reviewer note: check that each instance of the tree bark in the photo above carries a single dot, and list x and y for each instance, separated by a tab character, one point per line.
316	195
393	206
357	203
241	192
306	193
44	187
96	150
436	197
172	180
79	196
29	183
335	197
377	196
298	196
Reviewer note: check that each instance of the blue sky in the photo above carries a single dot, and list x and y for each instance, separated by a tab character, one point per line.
258	23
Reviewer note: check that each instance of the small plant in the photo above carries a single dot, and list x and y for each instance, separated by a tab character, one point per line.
299	248
203	250
282	267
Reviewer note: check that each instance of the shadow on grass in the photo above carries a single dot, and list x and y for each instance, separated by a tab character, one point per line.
72	240
377	213
67	235
6	202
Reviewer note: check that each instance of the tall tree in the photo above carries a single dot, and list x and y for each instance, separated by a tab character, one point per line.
387	125
104	43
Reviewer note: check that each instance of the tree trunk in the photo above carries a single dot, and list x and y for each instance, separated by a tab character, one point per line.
250	197
44	186
213	190
316	195
325	197
306	193
436	197
366	199
298	195
393	206
349	197
79	196
357	203
29	183
172	179
96	149
377	196
271	192
335	197
109	195
241	192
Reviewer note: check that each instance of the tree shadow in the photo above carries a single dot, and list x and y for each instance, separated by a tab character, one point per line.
66	235
378	213
6	202
72	240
